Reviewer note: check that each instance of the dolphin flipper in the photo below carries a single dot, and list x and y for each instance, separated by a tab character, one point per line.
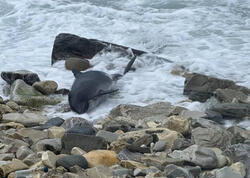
76	73
129	65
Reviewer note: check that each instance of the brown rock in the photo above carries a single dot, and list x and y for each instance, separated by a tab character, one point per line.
179	124
77	64
101	157
46	87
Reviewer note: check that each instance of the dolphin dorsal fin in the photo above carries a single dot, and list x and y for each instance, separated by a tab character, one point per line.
76	73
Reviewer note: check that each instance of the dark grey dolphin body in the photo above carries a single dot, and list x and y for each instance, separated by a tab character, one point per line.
91	88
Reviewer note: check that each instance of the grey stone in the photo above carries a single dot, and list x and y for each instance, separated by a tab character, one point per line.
122	172
107	136
25	94
33	135
87	143
27	119
227	172
228	95
71	122
239	134
23	152
173	171
81	129
211	137
139	172
159	146
55	121
78	64
31	159
25	75
53	145
6	156
72	160
114	125
182	143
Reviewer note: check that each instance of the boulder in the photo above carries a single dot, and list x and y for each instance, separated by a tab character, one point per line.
204	157
78	64
87	143
12	166
69	45
200	87
46	87
212	137
72	160
101	157
27	119
25	75
24	94
229	95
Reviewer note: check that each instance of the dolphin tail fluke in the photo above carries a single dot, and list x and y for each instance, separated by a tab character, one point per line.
129	65
76	72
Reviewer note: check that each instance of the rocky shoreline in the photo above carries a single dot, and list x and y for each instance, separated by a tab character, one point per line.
157	140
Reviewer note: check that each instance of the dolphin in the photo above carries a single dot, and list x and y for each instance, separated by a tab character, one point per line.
92	87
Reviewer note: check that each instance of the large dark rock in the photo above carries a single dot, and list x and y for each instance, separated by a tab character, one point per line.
72	160
69	45
56	121
232	110
200	87
85	142
25	75
239	153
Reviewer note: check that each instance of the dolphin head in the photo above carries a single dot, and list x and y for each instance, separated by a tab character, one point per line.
81	107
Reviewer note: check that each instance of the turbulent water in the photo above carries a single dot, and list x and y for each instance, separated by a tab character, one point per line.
209	37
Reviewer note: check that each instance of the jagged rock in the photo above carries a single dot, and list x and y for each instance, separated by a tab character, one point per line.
107	136
49	159
88	142
232	110
71	122
24	94
56	132
53	145
12	166
78	64
228	95
25	75
69	45
34	135
175	171
46	87
27	119
101	157
72	160
204	157
23	152
179	124
239	153
55	121
200	87
239	134
211	137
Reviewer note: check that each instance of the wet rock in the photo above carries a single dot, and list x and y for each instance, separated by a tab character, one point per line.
211	137
49	159
71	122
27	119
62	91
25	75
239	134
72	160
34	135
46	87
179	124
53	145
107	136
88	142
78	64
77	151
154	112
200	156
6	156
227	172
24	94
232	110
239	153
200	87
13	105
56	132
99	171
175	171
56	121
23	152
101	157
12	166
228	95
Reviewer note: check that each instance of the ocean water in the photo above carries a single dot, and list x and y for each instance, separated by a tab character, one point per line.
209	37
